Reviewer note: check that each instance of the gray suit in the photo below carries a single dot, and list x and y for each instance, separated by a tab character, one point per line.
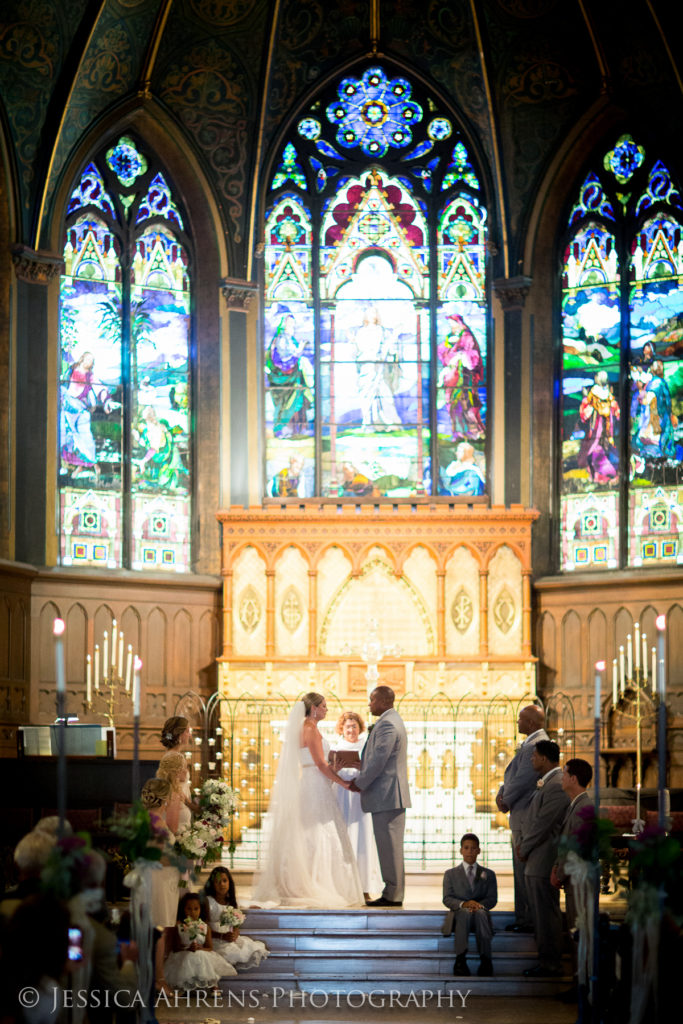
456	891
383	782
519	786
572	820
540	835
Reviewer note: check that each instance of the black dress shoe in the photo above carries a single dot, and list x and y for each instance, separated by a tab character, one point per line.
382	902
485	968
460	968
520	929
542	972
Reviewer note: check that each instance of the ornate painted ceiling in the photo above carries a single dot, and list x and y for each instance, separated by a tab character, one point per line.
521	75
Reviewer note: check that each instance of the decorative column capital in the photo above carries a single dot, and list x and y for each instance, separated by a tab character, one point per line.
36	266
238	294
512	291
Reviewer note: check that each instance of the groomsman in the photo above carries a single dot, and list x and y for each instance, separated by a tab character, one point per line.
519	786
538	850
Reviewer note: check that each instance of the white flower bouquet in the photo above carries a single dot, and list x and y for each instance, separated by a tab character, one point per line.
192	929
193	841
218	801
231	917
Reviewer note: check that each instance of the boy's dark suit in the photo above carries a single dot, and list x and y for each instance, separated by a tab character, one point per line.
456	891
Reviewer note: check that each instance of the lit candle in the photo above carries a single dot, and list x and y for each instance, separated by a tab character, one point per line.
120	658
629	657
622	675
58	628
105	656
219	755
661	635
644	641
654	671
113	645
212	766
599	669
136	688
636	643
197	741
97	666
615	686
88	679
212	741
129	667
219	731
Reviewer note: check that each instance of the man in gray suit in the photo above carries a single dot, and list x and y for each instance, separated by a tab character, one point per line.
576	777
383	785
519	786
538	850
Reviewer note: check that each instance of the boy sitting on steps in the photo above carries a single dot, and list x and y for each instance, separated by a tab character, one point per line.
470	892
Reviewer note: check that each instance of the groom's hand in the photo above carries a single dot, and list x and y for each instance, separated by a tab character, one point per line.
353	787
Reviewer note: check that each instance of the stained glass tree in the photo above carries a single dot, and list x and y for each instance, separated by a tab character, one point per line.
622	366
375	244
124	389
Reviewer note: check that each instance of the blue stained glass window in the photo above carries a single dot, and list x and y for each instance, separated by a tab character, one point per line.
460	169
357	402
289	169
158	203
125	161
90	191
374	113
622	369
124	392
439	129
592	200
625	159
660	189
309	128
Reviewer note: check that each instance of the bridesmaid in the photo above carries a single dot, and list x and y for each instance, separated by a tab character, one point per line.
156	794
175	736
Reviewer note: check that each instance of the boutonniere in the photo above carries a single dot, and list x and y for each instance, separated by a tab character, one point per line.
482	875
370	728
540	784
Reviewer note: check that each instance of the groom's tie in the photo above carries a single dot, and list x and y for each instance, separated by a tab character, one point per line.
470	875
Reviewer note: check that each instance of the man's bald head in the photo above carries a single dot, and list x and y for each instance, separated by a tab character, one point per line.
531	718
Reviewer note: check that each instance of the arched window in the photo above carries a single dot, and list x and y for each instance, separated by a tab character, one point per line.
622	366
375	300
124	383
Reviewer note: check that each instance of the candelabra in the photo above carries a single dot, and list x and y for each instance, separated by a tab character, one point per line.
372	652
630	691
113	682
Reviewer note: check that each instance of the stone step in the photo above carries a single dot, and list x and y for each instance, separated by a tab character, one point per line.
381	919
288	940
285	992
363	965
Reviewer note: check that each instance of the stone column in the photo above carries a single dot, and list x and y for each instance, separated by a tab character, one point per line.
238	297
36	406
512	293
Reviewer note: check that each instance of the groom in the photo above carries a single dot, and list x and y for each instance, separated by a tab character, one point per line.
383	785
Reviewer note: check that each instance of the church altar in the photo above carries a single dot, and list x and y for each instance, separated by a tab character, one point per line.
435	596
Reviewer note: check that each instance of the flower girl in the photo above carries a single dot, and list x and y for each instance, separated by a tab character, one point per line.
225	920
194	963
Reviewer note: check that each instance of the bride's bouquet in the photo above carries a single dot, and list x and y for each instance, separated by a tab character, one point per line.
231	917
218	801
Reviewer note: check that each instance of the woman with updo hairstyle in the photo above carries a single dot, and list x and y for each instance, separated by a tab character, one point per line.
155	797
308	859
175	733
345	758
173	768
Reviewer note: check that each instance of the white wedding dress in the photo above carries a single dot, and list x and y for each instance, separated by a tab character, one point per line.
308	861
358	824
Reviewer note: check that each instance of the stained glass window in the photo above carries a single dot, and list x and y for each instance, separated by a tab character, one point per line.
124	388
375	300
622	367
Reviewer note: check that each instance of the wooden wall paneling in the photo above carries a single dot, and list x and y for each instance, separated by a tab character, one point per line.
674	653
76	637
623	625
598	650
183	654
155	649
547	651
571	652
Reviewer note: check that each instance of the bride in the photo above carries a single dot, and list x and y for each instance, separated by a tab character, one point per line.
308	861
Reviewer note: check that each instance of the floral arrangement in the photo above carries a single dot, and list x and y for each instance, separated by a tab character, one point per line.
231	917
218	801
67	866
591	840
194	841
142	837
193	928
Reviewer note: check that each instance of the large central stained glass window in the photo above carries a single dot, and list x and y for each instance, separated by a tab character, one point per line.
622	366
375	300
124	382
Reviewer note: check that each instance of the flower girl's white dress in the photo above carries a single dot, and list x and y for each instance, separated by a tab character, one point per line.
200	968
243	952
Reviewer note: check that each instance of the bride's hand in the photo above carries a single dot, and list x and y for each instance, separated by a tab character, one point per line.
343	783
